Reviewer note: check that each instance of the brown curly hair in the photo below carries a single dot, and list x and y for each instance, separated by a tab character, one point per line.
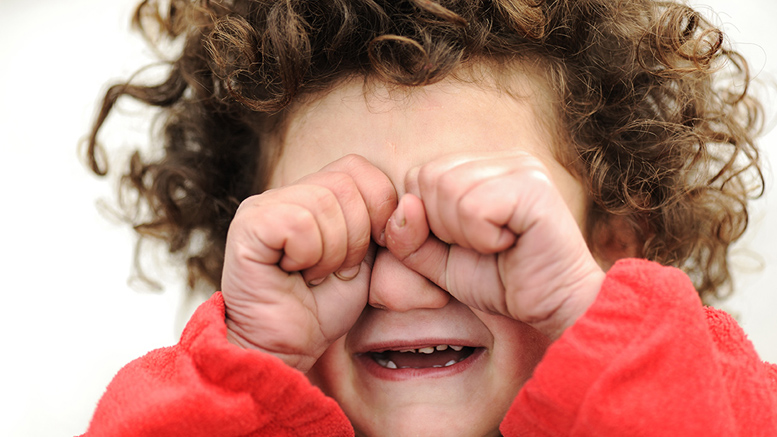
655	103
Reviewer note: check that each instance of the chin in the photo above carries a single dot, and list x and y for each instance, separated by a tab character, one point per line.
421	421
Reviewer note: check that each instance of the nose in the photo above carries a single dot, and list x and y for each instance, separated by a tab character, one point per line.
395	287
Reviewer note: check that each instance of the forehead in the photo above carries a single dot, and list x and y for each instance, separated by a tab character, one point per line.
397	128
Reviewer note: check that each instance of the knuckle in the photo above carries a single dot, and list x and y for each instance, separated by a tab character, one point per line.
251	202
315	198
538	177
299	219
385	203
353	160
470	209
448	185
427	175
340	183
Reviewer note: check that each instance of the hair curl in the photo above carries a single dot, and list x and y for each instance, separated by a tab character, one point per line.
656	104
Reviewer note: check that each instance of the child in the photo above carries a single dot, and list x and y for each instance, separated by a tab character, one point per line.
436	219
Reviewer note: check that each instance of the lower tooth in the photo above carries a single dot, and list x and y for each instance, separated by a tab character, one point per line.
392	365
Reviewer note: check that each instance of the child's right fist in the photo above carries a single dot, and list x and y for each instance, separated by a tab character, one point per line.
298	260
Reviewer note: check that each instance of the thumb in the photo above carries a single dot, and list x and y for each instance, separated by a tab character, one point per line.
407	232
470	277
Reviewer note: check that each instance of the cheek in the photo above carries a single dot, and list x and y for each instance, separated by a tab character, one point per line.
575	197
330	370
570	188
285	173
518	348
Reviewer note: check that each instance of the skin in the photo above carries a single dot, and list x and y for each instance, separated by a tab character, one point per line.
406	219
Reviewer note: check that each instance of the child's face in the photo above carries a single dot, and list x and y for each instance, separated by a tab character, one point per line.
397	131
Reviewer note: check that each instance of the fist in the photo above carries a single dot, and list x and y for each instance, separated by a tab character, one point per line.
495	232
298	260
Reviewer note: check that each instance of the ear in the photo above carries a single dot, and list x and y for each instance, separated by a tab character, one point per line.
615	237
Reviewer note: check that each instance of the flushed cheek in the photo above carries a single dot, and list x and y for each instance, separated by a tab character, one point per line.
518	347
332	370
572	192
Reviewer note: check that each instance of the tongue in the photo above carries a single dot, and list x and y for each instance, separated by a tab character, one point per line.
421	360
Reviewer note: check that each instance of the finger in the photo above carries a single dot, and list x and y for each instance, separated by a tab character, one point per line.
470	199
287	235
455	196
339	303
367	198
442	183
376	189
407	229
334	200
485	212
408	239
423	182
299	227
470	277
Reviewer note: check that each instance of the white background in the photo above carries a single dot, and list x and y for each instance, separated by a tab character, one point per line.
68	317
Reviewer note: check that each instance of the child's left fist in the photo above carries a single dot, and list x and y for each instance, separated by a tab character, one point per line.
504	240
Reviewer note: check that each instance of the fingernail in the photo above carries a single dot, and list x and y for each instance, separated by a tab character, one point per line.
411	180
349	273
382	237
314	282
398	218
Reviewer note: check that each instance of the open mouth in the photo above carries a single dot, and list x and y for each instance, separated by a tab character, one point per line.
427	357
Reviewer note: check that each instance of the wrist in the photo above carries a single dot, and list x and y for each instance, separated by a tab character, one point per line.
580	296
299	361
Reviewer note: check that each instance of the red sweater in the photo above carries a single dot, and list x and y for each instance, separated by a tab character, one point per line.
646	359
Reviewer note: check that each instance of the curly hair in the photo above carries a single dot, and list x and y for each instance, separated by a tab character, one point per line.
656	106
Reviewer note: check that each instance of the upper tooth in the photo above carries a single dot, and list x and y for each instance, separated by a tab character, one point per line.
431	349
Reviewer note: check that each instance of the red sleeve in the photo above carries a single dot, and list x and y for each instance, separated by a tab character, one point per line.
206	386
648	359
